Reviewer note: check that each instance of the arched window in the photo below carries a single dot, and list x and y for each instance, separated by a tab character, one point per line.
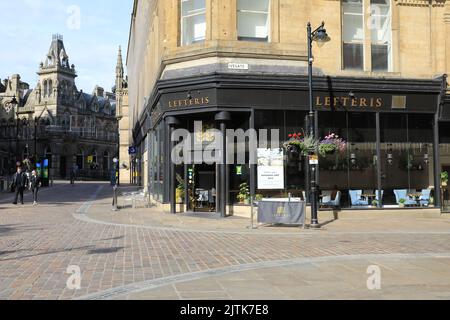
50	88
80	159
106	164
45	88
48	156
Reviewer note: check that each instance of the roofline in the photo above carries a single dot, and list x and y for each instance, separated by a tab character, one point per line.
133	16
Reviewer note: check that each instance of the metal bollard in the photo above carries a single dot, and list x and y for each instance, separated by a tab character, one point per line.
114	199
252	213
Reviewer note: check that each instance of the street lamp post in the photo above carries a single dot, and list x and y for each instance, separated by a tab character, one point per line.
320	36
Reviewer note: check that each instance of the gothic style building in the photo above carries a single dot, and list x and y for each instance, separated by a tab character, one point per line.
57	122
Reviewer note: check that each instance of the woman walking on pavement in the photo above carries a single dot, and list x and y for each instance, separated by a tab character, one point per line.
35	184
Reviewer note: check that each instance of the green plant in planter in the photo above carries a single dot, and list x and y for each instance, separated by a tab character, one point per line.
402	202
444	178
180	191
244	193
259	197
375	203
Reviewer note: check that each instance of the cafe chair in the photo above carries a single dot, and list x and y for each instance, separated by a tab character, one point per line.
376	195
326	197
403	194
336	203
425	197
356	198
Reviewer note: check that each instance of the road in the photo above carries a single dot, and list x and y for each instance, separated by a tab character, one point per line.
120	260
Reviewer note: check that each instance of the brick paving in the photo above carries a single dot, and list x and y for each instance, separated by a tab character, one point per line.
37	244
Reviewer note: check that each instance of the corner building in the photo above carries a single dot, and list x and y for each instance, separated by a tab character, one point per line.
380	83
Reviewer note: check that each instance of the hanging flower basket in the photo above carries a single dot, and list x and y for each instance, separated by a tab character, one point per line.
332	144
300	144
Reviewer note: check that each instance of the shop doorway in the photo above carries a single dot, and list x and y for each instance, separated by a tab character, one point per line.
63	167
202	188
445	192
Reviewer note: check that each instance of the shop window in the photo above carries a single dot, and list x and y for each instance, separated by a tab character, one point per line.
253	20
80	159
353	34
193	21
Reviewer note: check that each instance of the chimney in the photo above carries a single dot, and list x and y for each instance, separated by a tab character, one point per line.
99	91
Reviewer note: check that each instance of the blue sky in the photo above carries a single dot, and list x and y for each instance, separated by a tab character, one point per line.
92	30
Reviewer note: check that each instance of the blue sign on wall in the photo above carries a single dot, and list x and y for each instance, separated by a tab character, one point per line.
132	150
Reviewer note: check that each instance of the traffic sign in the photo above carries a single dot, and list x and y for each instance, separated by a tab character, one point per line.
132	150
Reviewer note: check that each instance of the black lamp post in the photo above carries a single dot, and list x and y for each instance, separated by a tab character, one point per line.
320	36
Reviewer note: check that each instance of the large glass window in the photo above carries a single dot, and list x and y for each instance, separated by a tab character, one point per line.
381	35
355	170
406	162
353	34
253	20
193	21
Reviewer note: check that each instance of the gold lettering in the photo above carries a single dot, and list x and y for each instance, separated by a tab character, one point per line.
336	102
372	102
207	100
363	102
318	102
327	101
354	103
170	104
197	101
345	101
379	103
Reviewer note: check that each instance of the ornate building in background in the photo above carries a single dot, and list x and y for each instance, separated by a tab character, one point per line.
58	122
122	109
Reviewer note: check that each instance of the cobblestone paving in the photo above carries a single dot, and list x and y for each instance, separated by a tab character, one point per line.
37	244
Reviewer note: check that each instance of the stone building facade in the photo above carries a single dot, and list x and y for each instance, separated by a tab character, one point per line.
57	122
195	59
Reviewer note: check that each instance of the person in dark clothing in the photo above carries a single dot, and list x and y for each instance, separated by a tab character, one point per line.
35	184
20	182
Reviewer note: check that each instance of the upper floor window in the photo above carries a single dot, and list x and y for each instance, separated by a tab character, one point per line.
193	21
381	35
353	34
367	32
253	20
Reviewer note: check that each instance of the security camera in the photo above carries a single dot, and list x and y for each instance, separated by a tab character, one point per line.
352	95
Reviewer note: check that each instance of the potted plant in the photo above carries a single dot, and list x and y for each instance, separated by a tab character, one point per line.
244	194
332	144
301	143
402	203
180	192
444	178
375	203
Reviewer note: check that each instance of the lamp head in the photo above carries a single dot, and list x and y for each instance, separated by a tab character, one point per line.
321	36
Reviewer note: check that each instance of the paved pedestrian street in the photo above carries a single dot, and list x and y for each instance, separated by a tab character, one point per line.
146	254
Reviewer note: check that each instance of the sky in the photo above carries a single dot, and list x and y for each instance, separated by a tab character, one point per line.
93	30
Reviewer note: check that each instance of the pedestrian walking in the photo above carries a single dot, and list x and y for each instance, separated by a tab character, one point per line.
20	183
35	185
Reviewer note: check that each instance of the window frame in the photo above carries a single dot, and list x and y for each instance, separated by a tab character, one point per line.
183	18
367	42
361	42
269	23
